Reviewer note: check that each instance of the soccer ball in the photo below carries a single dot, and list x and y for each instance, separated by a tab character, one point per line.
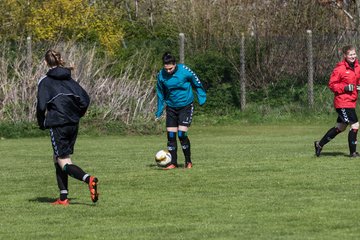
162	158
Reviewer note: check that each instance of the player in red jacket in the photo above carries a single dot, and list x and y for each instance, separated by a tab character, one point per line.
343	83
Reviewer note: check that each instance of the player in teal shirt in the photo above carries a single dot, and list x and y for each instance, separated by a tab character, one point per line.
175	84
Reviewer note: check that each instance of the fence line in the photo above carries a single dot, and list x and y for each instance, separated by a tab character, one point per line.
242	74
259	63
181	48
310	69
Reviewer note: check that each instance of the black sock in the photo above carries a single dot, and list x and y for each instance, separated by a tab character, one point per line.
185	145
63	196
352	139
172	146
331	134
76	172
62	181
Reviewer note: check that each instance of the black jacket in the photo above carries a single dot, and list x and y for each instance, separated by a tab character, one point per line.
62	99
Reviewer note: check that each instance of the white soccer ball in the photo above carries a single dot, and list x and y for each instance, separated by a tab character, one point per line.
162	158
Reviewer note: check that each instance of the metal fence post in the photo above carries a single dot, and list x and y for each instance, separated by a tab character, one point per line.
181	50
242	74
28	53
310	69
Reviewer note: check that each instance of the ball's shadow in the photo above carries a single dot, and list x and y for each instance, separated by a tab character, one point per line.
154	166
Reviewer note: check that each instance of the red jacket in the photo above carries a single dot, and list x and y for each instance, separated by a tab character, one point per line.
341	76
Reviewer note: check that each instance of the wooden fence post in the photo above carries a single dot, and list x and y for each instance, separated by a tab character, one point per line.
310	69
242	74
28	53
181	50
358	16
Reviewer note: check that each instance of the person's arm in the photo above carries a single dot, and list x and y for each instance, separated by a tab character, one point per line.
42	99
197	85
160	98
357	83
84	101
336	84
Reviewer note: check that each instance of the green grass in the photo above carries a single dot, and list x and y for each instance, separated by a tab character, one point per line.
248	182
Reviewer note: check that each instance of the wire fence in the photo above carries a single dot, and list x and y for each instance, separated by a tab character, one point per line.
257	62
306	58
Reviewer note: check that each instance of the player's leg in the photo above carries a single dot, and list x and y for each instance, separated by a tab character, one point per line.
342	122
185	145
354	127
63	140
185	119
332	133
172	144
62	181
171	128
76	172
72	170
352	139
61	176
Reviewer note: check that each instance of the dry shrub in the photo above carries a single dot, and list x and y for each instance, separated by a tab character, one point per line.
126	97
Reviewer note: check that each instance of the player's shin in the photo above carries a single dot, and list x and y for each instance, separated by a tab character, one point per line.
76	172
62	181
172	146
331	134
352	139
185	145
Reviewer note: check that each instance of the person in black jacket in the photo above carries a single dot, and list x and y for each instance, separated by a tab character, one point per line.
61	102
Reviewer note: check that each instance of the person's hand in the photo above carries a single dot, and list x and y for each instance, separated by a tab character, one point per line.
42	127
349	88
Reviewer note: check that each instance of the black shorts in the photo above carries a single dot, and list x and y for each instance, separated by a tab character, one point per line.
346	115
179	116
63	139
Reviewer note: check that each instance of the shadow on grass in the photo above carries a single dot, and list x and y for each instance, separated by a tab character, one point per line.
43	200
51	200
156	167
333	154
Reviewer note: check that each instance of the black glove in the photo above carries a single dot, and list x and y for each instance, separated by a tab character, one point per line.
42	127
349	88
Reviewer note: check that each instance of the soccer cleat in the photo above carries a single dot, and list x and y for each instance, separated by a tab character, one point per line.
59	202
93	182
354	155
188	165
171	166
318	148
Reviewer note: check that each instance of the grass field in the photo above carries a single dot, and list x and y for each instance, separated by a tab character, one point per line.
248	182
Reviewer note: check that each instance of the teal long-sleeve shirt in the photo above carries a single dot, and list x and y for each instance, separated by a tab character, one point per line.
176	89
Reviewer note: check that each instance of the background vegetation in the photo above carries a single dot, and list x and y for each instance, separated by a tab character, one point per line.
261	182
116	45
